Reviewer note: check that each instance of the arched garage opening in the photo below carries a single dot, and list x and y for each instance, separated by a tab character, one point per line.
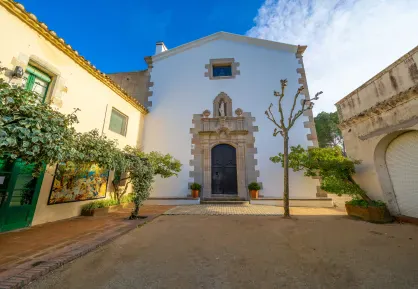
402	165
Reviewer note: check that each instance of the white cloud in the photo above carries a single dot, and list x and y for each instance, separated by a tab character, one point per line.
349	41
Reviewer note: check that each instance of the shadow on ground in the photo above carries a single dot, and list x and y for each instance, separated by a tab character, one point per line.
326	250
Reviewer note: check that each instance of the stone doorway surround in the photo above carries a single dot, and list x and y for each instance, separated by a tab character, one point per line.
237	131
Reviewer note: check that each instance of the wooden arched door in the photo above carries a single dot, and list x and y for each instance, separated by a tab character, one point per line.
224	170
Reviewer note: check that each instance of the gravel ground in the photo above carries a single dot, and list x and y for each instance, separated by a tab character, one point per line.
317	249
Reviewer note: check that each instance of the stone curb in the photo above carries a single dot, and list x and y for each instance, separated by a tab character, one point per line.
26	273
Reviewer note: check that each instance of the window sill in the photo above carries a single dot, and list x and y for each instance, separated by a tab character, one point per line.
221	77
114	132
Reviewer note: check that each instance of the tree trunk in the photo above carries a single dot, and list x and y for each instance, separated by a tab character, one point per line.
286	174
364	196
135	211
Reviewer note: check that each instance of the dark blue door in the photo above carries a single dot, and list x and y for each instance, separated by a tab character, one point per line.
224	170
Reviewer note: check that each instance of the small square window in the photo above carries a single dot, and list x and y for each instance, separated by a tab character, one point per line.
118	122
222	70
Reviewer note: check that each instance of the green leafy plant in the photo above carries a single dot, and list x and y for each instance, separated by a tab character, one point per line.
254	186
142	169
335	170
364	204
196	186
98	204
31	130
105	203
37	134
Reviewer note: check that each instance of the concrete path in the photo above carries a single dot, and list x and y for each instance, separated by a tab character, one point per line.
319	248
226	209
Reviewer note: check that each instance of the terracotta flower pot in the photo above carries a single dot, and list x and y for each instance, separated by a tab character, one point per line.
369	214
195	194
254	194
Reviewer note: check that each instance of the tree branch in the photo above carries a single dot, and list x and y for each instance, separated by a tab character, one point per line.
294	103
301	111
270	116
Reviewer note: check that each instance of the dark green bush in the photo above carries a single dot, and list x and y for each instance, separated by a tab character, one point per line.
196	186
365	204
254	186
105	203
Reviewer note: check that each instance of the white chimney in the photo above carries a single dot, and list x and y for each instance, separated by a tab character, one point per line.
160	47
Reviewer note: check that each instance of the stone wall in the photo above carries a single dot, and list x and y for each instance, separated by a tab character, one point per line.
134	83
375	114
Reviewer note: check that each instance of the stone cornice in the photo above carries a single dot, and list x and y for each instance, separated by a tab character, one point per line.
301	50
382	107
232	132
377	76
18	10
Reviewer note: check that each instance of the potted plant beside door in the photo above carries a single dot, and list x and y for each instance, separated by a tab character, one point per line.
195	187
254	188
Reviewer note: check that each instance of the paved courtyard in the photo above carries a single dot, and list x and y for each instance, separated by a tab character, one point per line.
226	209
34	250
319	248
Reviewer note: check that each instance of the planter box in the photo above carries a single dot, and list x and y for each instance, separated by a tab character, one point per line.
369	214
106	210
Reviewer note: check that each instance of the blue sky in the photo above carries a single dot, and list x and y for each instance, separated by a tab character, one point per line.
116	35
349	41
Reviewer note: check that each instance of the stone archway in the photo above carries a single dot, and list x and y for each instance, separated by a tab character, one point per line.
236	131
382	170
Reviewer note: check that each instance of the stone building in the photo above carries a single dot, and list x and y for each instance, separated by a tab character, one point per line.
203	102
379	123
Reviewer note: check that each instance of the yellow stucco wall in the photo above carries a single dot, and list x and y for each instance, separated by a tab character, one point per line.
72	87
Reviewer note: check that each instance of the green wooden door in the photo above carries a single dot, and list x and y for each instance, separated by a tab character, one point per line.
19	192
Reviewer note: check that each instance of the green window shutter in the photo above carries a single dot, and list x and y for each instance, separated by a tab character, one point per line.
30	82
37	81
38	74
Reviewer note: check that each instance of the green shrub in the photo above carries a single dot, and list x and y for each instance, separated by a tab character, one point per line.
126	199
196	186
254	186
105	203
365	204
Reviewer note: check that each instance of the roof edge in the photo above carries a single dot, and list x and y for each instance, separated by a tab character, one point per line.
228	36
30	19
378	75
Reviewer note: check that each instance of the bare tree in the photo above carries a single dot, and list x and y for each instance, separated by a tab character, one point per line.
283	127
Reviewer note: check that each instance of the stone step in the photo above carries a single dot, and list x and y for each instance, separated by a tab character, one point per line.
224	198
225	202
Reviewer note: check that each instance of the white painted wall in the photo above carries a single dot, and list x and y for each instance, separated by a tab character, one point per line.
181	90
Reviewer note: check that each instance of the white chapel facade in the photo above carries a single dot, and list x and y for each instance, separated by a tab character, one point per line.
207	101
202	102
